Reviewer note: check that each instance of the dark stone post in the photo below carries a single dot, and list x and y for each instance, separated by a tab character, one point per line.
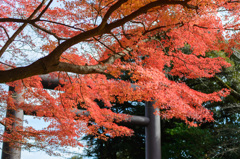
153	133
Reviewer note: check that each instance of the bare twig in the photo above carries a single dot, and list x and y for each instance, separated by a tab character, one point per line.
5	31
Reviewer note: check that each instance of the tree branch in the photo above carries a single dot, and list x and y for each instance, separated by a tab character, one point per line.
145	8
5	31
233	92
44	10
49	32
20	29
164	26
69	26
50	63
16	20
42	66
110	11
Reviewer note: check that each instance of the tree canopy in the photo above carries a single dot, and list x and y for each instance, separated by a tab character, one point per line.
84	42
218	139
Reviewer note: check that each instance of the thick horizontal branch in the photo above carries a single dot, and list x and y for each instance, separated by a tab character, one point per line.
108	27
44	67
147	7
50	63
38	69
15	20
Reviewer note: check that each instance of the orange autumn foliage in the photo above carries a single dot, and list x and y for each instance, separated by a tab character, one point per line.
81	41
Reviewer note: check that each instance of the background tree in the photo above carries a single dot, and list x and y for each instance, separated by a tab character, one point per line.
80	42
218	139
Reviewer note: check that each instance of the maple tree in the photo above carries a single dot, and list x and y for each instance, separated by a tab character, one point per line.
212	139
83	42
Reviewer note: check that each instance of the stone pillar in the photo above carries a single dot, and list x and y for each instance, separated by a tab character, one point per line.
7	151
152	133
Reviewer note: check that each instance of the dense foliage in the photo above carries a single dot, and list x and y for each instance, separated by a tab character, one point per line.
84	42
219	139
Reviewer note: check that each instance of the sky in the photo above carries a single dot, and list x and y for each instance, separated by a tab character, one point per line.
39	124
